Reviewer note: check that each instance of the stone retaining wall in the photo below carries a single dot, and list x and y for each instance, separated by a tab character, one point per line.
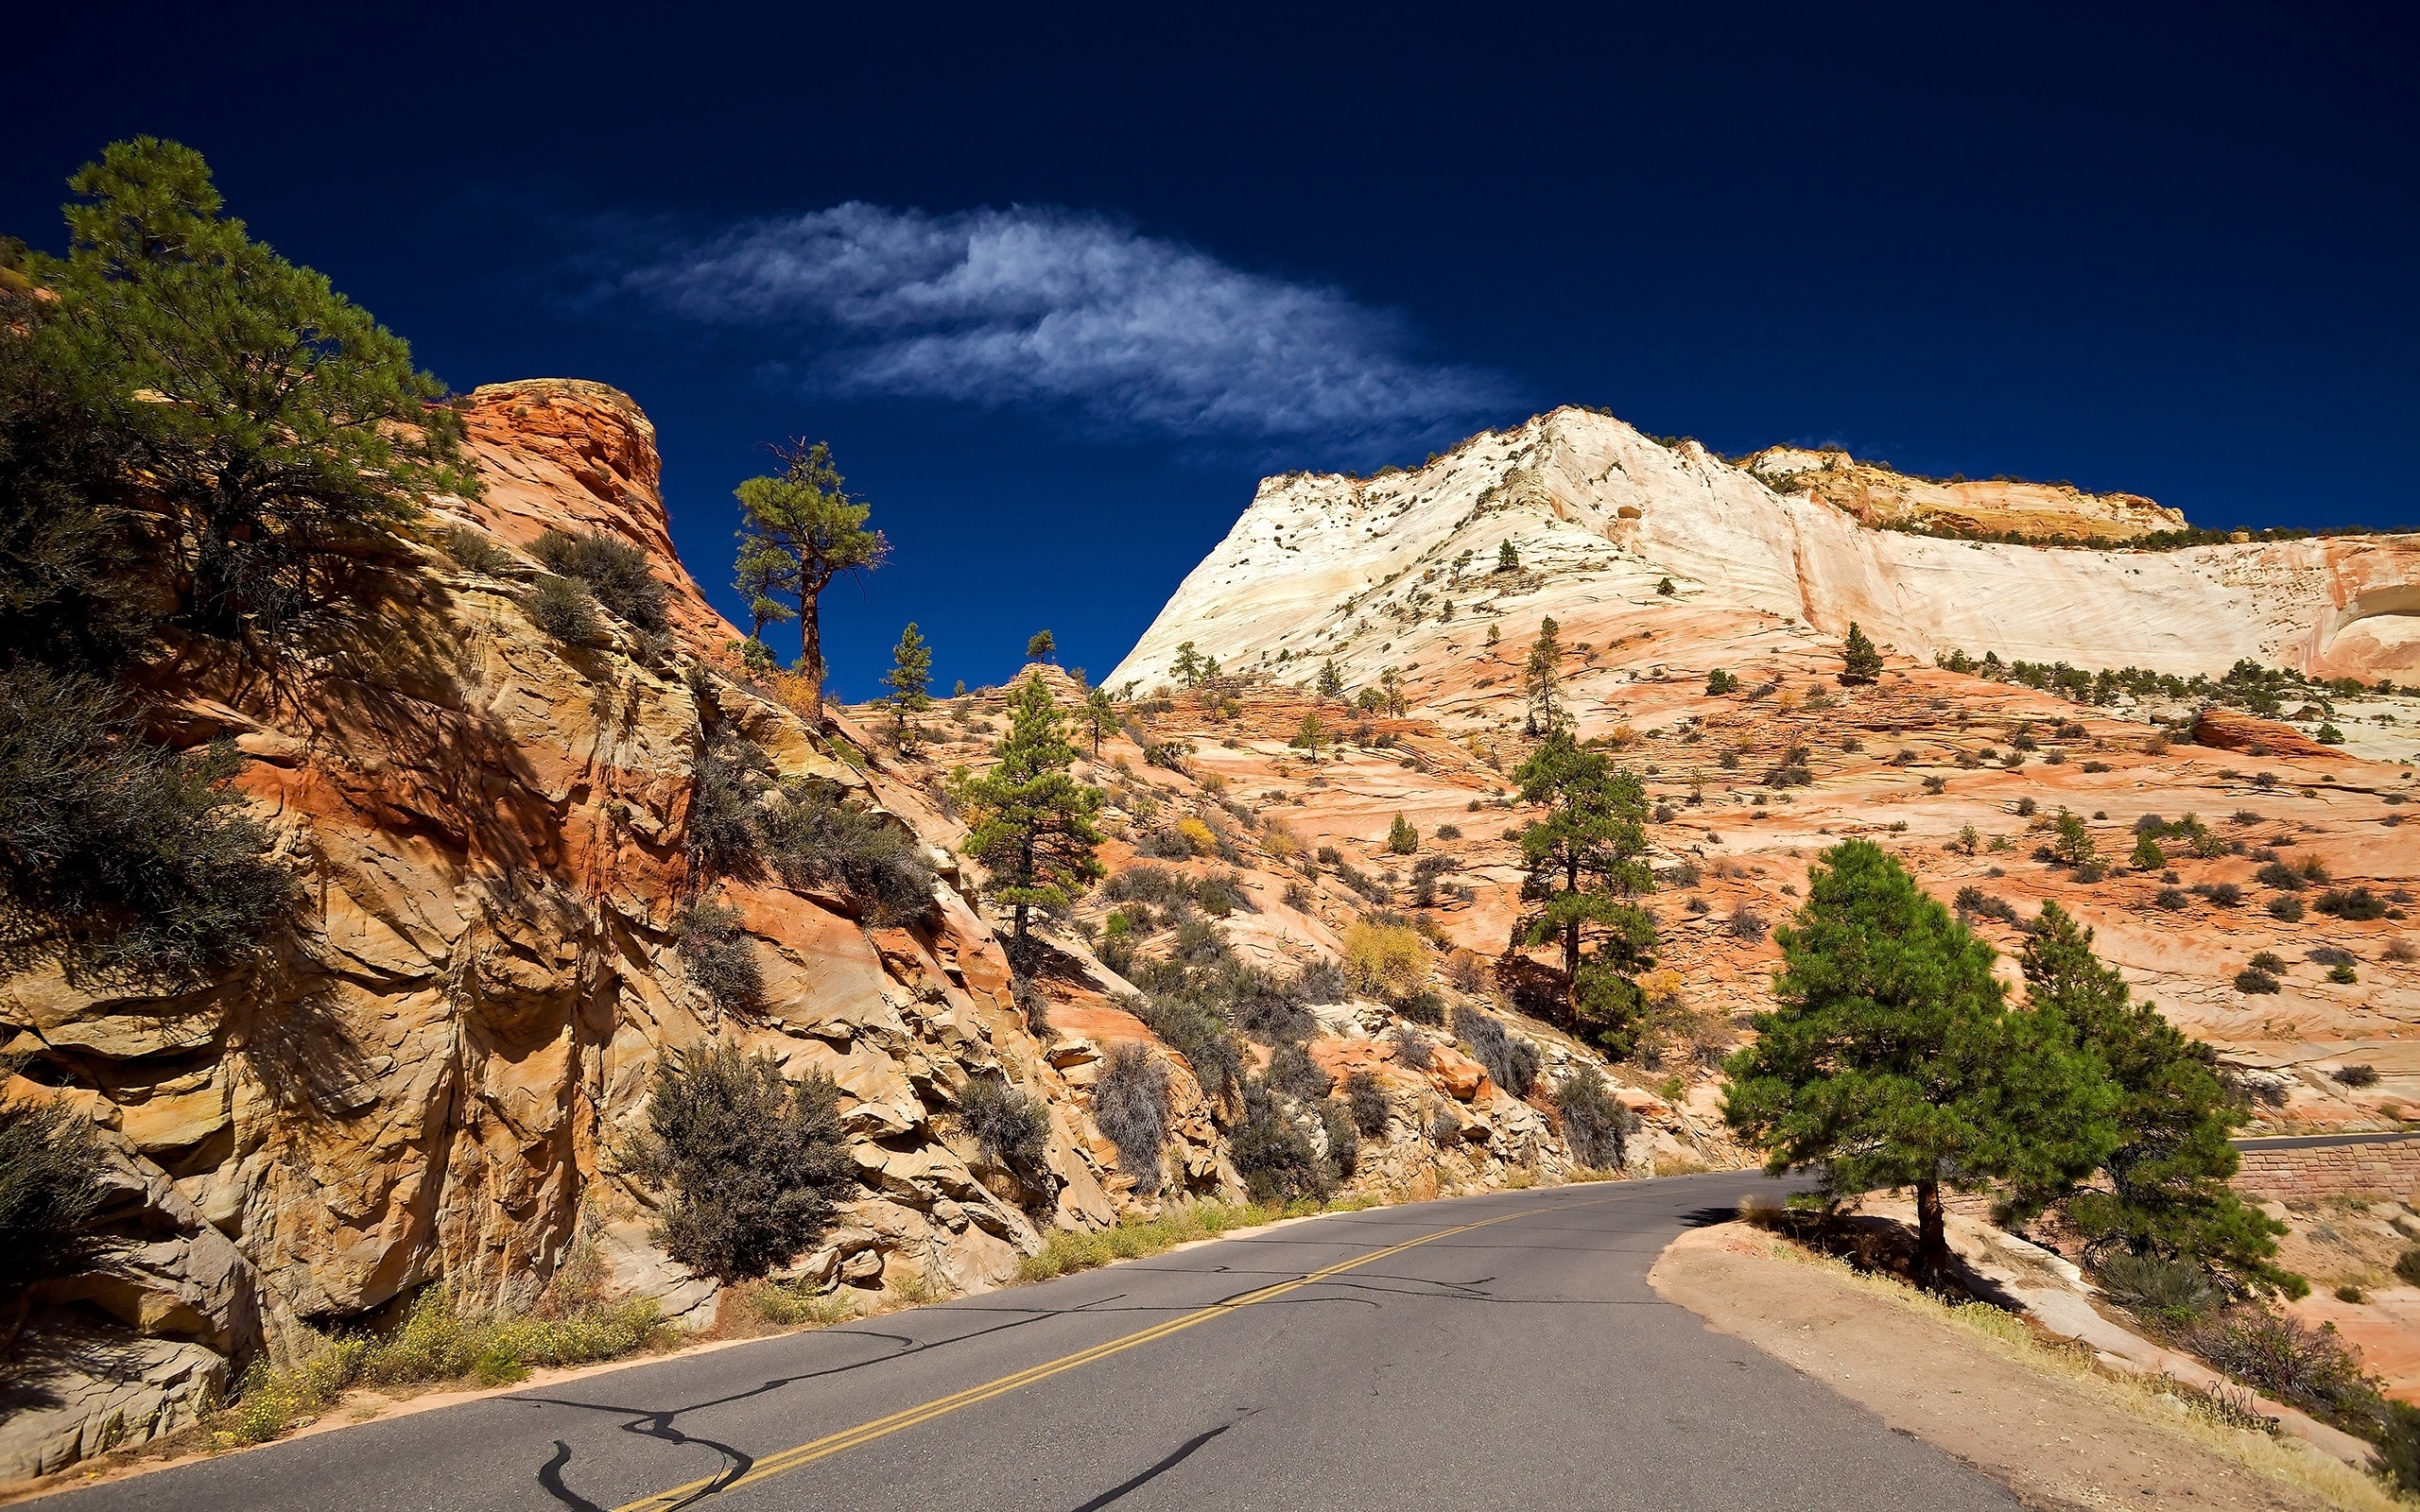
2385	1168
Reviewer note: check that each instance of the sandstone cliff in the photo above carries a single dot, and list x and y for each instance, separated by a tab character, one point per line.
1361	569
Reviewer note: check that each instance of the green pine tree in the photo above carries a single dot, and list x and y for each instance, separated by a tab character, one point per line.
2147	855
1029	822
1860	662
1099	717
805	517
1894	1059
1186	667
1330	683
763	571
1507	560
1585	860
910	675
1311	736
1402	839
1042	648
1542	679
270	415
2168	1192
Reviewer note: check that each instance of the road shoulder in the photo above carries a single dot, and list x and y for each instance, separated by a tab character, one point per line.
2044	1424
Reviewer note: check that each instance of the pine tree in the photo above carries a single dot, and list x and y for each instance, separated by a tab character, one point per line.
1507	560
1390	694
1042	648
1542	679
805	517
1099	718
1186	667
2167	1190
1402	839
1584	860
1894	1059
1861	662
1330	683
763	571
2147	855
1029	822
266	412
1311	736
910	675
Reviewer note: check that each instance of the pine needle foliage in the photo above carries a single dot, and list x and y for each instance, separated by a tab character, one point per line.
1894	1059
1029	822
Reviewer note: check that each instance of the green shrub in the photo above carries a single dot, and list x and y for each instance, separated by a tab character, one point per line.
473	551
752	1161
1293	1071
1719	682
2173	1291
2407	1267
2285	908
1066	1250
50	1188
810	836
2358	904
1402	839
147	857
2254	982
1131	1106
1367	1101
564	608
1512	1063
716	954
1198	1032
1343	1140
2342	973
2357	1076
613	570
1273	1155
2280	876
1011	1128
2308	1368
1595	1123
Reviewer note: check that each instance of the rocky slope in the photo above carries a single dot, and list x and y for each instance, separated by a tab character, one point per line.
1396	574
423	1081
1398	570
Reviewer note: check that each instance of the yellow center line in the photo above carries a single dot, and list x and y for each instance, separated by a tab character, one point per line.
790	1459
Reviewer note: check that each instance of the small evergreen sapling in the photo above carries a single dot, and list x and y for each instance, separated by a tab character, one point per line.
1860	662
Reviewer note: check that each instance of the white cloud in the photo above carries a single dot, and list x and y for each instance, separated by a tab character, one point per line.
1052	308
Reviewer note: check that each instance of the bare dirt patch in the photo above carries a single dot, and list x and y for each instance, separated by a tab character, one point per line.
2040	1420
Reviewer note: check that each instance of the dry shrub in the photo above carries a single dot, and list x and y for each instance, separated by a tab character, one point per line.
1385	960
1466	969
1197	837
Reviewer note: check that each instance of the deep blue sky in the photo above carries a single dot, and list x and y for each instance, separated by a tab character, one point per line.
2166	251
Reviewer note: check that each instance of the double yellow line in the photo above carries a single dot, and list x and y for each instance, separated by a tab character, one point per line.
790	1459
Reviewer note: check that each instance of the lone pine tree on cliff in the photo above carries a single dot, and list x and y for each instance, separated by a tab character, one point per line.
800	531
1030	823
1894	1059
1042	648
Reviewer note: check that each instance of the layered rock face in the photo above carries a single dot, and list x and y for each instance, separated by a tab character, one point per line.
1877	495
421	1081
1359	568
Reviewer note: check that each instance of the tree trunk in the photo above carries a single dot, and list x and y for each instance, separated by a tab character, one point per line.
810	652
1933	1238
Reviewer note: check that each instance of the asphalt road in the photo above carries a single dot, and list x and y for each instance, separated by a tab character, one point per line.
1493	1351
